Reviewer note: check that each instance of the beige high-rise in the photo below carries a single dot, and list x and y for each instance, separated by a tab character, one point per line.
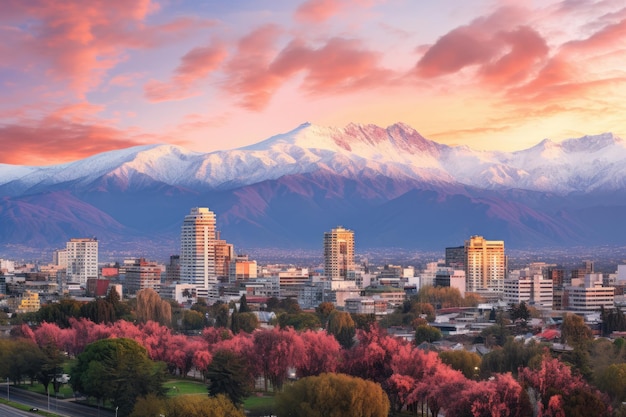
485	264
338	253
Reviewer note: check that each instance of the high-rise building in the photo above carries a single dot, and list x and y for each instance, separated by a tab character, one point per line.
455	257
485	264
339	253
82	260
197	254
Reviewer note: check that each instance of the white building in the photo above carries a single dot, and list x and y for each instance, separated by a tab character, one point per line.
533	290
82	260
590	296
197	254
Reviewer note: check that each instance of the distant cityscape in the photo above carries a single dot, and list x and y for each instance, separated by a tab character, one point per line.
209	268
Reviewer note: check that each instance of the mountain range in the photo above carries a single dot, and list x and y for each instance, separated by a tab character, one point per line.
392	186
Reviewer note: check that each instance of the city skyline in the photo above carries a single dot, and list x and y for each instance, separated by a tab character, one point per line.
487	74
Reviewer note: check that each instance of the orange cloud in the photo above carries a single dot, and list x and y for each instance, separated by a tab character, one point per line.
53	140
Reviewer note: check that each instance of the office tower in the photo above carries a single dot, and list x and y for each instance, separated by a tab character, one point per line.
82	260
197	255
339	253
485	264
455	257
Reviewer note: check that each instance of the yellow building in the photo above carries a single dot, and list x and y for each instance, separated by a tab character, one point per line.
485	264
29	303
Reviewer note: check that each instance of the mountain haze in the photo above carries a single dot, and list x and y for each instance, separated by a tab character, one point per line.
391	185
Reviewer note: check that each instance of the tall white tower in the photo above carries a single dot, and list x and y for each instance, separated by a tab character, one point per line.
197	254
82	259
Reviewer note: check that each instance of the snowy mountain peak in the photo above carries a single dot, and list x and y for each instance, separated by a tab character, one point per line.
591	143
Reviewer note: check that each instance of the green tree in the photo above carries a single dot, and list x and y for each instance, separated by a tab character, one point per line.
575	332
363	321
426	333
332	395
150	306
612	380
247	322
118	370
228	375
186	406
341	325
323	312
243	305
192	320
299	321
520	312
462	360
219	311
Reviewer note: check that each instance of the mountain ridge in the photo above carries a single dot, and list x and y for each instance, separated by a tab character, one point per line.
293	186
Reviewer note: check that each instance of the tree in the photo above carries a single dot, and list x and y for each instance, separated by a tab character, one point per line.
553	384
228	375
332	395
574	331
186	406
220	313
150	306
243	305
299	321
323	312
520	312
341	325
462	360
275	351
119	370
425	333
247	322
612	380
192	320
321	353
363	321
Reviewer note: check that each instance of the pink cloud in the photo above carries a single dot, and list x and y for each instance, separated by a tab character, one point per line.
79	42
500	46
54	140
257	71
317	11
195	65
247	71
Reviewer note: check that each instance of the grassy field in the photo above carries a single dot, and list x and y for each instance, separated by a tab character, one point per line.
181	387
255	405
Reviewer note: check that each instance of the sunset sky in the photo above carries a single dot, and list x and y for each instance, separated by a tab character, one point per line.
81	77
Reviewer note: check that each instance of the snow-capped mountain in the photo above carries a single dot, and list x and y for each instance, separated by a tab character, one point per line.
319	176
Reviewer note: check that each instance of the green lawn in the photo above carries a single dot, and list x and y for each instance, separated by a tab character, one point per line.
259	405
176	387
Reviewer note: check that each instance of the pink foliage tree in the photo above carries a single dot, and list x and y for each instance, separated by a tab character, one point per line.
321	353
275	351
372	356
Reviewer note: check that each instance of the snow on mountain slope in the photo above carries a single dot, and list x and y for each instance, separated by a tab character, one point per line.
397	152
